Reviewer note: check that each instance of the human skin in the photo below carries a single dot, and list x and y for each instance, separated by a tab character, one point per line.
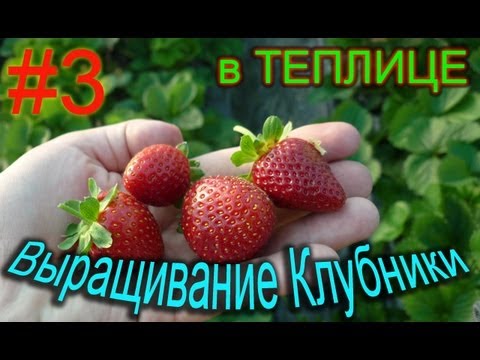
33	186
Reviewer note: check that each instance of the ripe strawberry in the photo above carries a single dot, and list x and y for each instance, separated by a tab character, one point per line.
112	224
159	175
293	172
226	219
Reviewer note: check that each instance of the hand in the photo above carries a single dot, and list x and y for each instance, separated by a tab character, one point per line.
31	188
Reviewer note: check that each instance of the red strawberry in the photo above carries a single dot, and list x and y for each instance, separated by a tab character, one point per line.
113	224
227	219
159	175
293	172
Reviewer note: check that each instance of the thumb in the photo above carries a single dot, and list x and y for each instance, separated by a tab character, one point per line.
114	145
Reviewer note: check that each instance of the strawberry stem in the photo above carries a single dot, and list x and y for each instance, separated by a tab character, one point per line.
183	147
109	197
93	188
317	144
196	172
253	147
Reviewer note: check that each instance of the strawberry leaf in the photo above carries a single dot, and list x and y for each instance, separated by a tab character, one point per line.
244	131
420	171
179	229
89	209
194	163
445	101
247	146
239	158
196	174
72	207
189	119
272	129
286	130
155	101
351	112
260	145
69	241
452	169
183	147
448	302
318	145
178	204
72	229
93	188
84	243
252	147
101	237
393	223
247	152
108	198
474	246
181	95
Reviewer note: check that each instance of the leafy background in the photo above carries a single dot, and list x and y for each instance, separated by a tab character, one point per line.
422	150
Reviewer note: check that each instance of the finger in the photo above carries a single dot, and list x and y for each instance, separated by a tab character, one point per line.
32	303
218	163
356	221
354	177
176	246
339	139
113	146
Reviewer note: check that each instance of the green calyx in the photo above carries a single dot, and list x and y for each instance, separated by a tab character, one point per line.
196	172
88	231
253	147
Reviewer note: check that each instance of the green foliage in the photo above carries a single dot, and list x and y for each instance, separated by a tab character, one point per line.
143	78
423	152
452	302
393	223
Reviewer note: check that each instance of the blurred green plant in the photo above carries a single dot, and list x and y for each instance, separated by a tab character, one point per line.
143	78
422	150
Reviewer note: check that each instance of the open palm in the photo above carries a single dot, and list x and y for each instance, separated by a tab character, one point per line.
31	188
